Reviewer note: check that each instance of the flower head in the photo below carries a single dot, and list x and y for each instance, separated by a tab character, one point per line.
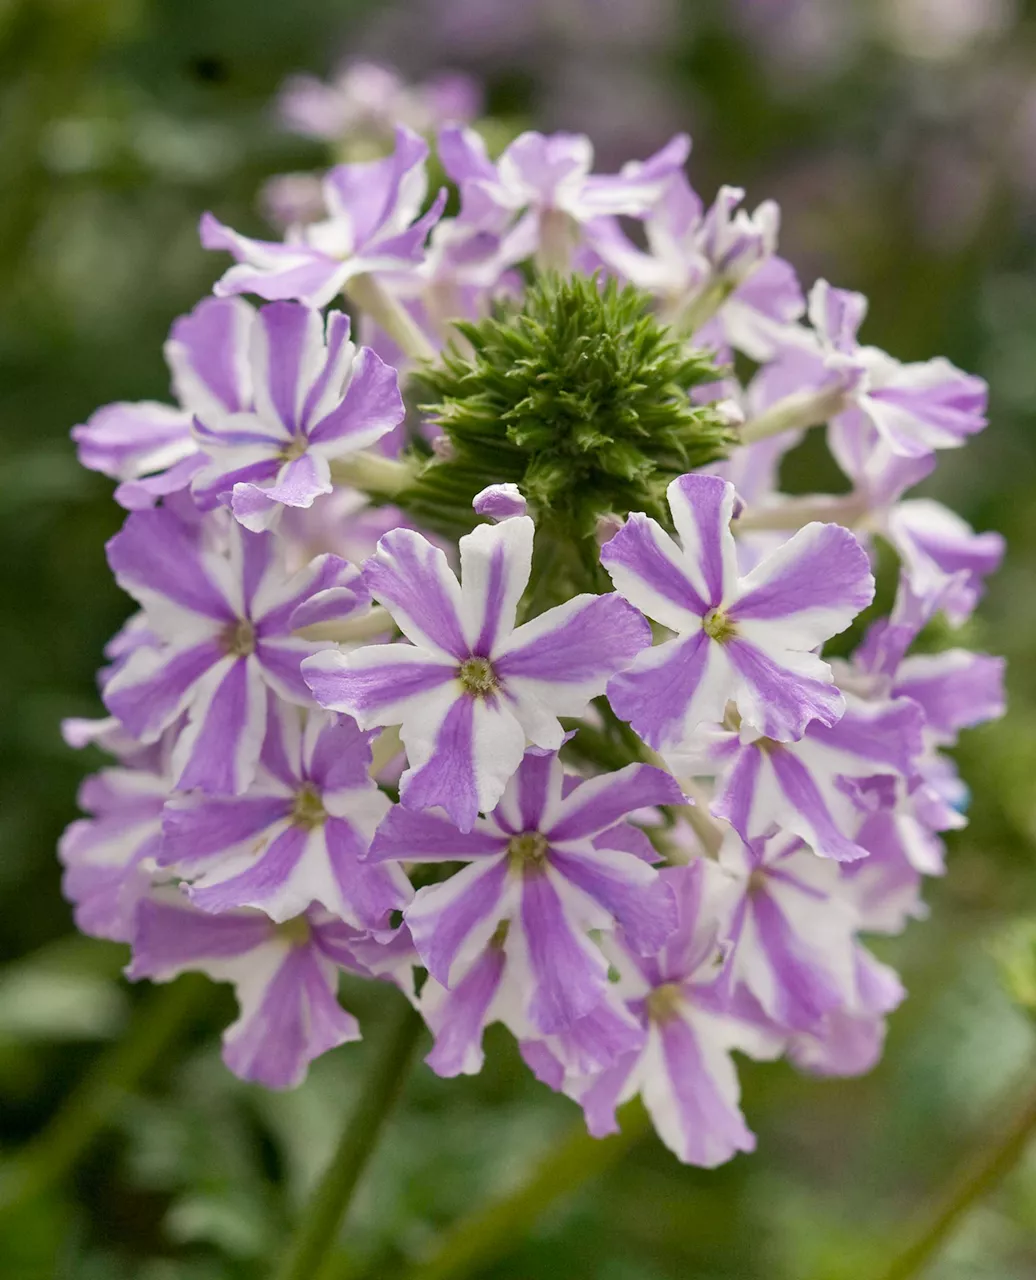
548	867
580	397
222	620
748	640
315	398
372	226
471	689
297	836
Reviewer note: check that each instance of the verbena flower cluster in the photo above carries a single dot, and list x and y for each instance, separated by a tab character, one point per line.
479	652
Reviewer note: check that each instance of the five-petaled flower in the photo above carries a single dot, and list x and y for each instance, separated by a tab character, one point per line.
315	398
372	227
222	614
546	867
298	835
471	689
748	640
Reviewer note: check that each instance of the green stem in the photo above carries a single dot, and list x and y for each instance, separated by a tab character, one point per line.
326	1210
370	295
373	473
796	412
846	509
90	1106
491	1233
968	1184
694	313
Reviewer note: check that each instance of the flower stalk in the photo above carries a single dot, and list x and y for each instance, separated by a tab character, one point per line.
329	1203
476	1242
371	296
794	412
373	473
976	1178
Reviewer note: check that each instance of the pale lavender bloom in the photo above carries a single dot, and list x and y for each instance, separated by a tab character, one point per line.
943	555
749	640
494	990
692	251
499	502
369	99
955	688
684	1071
470	689
915	408
110	857
820	787
149	446
944	559
285	977
850	1041
545	869
791	932
223	616
298	836
542	186
315	399
372	227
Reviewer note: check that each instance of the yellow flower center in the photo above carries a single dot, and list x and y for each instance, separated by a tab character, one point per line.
478	677
238	638
528	852
295	932
295	449
717	626
664	1002
308	810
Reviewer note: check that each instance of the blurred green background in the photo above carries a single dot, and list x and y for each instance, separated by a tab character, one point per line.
900	139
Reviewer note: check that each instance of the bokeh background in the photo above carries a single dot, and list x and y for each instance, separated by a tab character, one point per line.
899	137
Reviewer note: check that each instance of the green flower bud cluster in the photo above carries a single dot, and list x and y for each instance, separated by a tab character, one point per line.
579	395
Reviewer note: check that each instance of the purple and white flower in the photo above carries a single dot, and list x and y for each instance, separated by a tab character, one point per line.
791	933
748	640
718	267
915	408
850	1040
541	189
111	856
471	689
315	399
818	788
223	619
285	977
684	1071
149	446
943	555
372	227
544	870
298	836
